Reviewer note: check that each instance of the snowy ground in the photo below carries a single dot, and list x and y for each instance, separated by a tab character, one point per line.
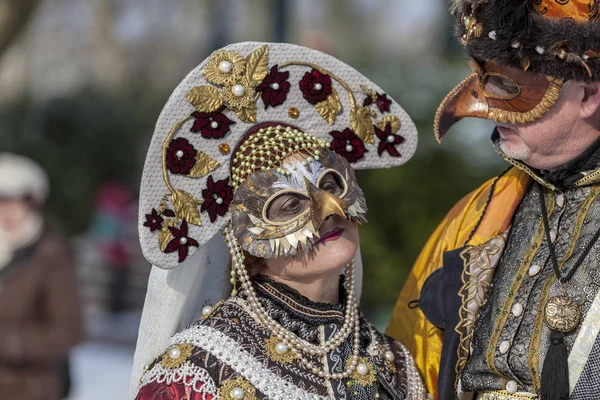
101	371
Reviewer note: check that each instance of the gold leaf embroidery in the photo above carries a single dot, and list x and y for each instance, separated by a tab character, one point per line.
362	124
228	385
330	107
165	236
390	119
181	352
213	72
163	205
186	206
369	92
247	114
271	348
364	380
205	98
205	164
257	65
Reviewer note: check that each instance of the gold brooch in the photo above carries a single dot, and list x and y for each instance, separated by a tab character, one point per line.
176	355
279	351
472	27
238	388
364	374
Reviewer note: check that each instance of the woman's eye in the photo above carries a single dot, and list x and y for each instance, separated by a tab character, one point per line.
291	205
328	186
332	184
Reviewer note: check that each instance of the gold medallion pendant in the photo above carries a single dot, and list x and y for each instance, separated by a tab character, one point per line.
562	314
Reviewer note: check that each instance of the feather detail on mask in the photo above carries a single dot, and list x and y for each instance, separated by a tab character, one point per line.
298	172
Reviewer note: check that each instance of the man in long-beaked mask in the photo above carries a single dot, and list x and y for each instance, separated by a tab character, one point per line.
39	307
508	283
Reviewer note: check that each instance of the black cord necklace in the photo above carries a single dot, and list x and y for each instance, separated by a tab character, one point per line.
562	313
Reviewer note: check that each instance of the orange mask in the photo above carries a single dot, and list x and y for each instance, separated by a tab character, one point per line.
499	94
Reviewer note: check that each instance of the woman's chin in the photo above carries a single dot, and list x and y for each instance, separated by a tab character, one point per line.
336	253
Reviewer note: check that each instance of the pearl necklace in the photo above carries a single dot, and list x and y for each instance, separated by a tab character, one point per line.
297	345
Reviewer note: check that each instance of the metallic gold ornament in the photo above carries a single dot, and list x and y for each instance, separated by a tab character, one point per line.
279	351
562	314
176	355
205	164
472	27
293	112
224	148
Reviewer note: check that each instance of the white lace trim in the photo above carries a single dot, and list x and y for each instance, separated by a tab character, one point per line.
187	374
229	352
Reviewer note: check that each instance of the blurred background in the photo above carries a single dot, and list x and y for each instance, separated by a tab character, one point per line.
82	83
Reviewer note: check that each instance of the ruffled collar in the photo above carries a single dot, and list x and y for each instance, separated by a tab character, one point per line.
581	171
294	303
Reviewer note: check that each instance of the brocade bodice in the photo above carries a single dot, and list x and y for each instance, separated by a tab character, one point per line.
230	350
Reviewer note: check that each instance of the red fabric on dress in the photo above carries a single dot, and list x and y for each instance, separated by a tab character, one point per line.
174	391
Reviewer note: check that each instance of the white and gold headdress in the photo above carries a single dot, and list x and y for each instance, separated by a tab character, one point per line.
232	121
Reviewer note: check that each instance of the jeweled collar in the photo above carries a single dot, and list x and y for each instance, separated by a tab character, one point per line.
581	171
297	304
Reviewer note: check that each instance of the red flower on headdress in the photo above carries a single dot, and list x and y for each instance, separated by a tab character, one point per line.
274	87
181	241
315	86
211	125
383	103
217	198
389	141
181	156
348	145
153	220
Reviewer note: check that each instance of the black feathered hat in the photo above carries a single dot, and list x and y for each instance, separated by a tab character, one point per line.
558	38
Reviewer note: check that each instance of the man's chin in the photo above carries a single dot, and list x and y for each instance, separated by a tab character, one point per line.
514	151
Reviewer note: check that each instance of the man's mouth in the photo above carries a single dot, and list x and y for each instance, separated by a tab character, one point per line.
333	234
506	131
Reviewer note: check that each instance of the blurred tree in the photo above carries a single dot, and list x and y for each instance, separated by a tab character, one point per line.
14	15
83	141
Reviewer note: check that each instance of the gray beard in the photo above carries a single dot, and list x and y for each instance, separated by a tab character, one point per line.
521	153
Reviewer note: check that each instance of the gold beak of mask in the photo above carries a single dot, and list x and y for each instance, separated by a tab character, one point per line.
500	94
323	204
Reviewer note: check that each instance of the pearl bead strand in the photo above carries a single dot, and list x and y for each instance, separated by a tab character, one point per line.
278	330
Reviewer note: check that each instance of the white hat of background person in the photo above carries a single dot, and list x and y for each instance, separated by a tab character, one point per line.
178	289
21	177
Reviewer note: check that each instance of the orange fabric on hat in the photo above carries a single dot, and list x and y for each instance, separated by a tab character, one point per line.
579	10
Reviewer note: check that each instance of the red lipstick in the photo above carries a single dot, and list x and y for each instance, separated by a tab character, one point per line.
333	234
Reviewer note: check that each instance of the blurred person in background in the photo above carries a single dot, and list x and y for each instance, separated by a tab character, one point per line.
112	214
40	316
256	151
509	282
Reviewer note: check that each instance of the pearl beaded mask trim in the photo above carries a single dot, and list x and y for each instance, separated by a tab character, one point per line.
229	352
263	237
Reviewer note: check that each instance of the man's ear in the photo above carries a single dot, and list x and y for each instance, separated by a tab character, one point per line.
590	104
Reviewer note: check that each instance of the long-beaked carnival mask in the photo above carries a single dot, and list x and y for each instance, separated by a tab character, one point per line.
263	139
523	52
500	94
